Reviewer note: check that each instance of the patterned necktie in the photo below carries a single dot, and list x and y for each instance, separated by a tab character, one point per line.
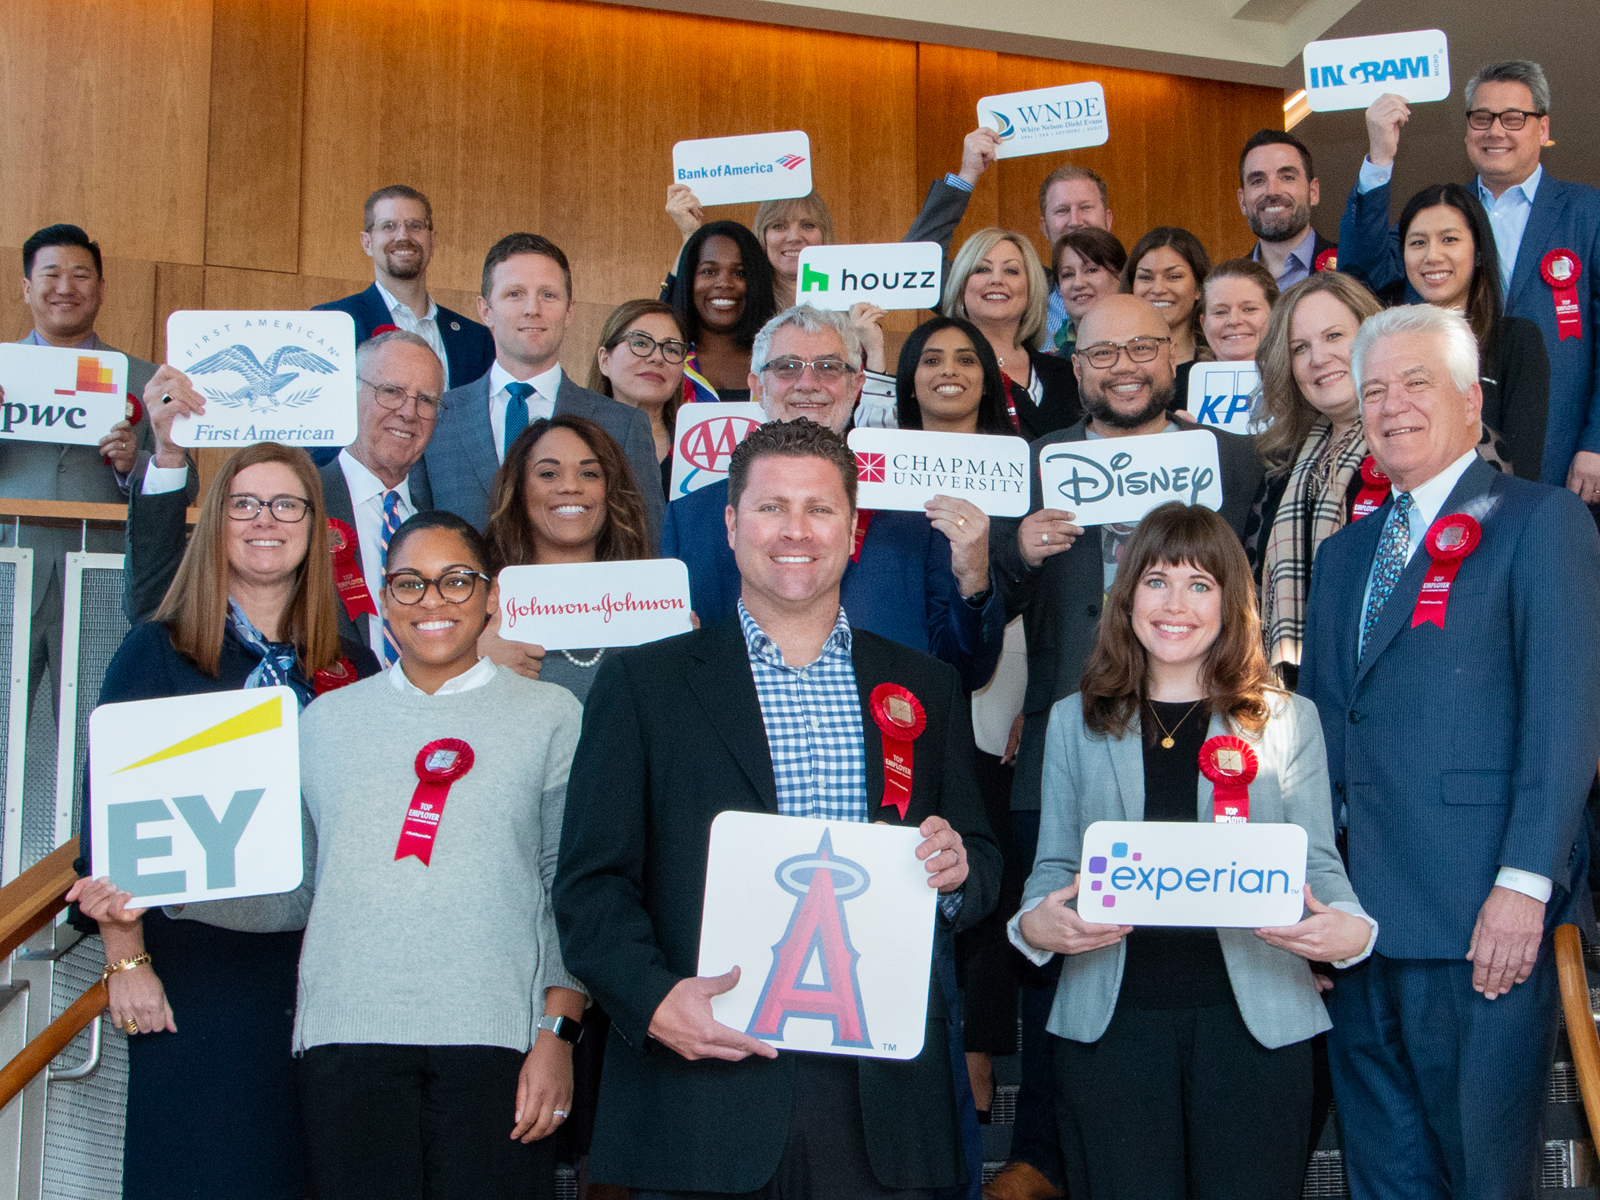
1393	550
516	413
391	522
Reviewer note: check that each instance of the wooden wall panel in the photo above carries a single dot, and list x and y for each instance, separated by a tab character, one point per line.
950	81
178	286
253	184
103	110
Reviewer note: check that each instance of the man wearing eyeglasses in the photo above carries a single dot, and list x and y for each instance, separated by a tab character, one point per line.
1532	215
398	403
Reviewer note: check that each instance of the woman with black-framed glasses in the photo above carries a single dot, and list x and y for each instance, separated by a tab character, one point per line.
640	362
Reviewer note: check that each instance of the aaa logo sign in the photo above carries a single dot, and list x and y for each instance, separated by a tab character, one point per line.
706	436
831	925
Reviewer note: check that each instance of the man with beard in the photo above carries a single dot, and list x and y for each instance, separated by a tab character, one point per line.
1055	575
1277	191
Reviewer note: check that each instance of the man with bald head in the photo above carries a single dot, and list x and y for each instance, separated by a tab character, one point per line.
1055	575
1461	730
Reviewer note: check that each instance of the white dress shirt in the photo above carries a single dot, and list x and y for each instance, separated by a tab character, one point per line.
366	500
474	676
426	328
541	405
1427	499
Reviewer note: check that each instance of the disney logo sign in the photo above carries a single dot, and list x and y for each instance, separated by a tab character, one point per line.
1107	480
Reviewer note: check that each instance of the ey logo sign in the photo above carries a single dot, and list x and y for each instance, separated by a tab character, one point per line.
197	797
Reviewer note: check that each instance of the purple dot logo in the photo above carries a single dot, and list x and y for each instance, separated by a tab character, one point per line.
1108	901
1095	886
1097	865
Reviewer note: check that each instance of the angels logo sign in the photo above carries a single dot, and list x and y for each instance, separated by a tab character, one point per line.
706	437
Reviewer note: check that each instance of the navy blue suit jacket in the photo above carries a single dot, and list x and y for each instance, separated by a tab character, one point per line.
901	589
467	344
1564	215
1461	750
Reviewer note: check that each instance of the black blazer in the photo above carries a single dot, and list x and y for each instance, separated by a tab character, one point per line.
1060	600
647	780
468	346
1058	405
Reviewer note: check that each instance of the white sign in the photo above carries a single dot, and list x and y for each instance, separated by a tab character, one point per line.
737	170
1111	480
1353	72
58	395
706	435
1228	876
197	797
1046	120
1220	394
831	926
903	469
891	275
571	606
285	377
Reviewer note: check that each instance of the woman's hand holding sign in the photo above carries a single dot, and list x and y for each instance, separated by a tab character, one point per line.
525	658
137	1001
1327	935
1055	925
967	527
1046	532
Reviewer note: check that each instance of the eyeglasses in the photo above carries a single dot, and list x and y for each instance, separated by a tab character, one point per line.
393	397
644	346
1511	120
412	226
456	587
1102	356
242	506
825	370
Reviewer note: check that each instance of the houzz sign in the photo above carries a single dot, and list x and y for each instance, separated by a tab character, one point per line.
891	275
197	797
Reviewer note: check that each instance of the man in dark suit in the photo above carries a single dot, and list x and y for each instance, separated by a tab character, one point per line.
1055	576
1277	190
772	715
1461	733
526	301
1532	215
367	486
907	580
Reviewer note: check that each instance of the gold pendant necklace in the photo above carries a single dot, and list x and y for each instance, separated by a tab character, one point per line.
1166	742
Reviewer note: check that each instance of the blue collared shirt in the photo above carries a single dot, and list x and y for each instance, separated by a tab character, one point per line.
1508	217
1299	263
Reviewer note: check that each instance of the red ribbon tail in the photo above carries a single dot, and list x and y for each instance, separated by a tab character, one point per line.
1435	594
422	822
896	775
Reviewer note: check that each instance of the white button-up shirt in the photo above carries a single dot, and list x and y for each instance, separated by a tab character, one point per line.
426	328
541	405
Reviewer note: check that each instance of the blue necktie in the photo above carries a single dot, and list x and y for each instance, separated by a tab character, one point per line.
516	413
1394	548
391	522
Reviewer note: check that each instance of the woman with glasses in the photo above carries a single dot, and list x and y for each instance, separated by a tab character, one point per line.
640	362
1167	267
206	1004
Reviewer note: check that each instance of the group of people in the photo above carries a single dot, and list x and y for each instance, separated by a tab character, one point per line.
448	1026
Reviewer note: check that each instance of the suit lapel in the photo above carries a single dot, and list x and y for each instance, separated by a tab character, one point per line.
1127	764
869	674
721	681
1543	217
476	434
336	494
376	312
567	397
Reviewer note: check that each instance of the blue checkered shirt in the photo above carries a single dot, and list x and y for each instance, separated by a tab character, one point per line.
813	720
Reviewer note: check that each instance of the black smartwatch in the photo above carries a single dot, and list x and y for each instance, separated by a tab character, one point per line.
564	1028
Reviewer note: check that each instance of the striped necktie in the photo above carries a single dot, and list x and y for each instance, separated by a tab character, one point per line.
391	522
1393	550
516	413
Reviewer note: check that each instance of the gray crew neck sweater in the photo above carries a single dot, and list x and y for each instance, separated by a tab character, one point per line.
458	952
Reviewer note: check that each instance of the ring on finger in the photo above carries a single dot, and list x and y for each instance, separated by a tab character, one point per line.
1044	539
131	1025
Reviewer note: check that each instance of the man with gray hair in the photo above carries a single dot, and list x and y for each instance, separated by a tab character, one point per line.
1547	242
398	401
922	581
1453	652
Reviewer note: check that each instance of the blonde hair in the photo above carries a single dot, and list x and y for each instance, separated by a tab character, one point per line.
810	205
973	251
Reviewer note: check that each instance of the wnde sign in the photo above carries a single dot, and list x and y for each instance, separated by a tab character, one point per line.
197	797
892	275
1353	72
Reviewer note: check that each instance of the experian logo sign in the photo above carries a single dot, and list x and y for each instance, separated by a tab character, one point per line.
1347	73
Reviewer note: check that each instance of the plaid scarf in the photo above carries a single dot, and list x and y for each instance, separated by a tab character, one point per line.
1305	517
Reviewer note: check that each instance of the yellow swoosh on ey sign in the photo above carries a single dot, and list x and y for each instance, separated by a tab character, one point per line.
252	721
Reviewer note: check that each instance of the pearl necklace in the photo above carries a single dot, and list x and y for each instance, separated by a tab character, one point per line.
584	662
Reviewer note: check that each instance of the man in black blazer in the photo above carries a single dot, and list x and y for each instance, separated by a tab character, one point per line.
689	1106
1277	190
401	382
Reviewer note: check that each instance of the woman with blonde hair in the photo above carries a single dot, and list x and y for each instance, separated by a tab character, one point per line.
998	283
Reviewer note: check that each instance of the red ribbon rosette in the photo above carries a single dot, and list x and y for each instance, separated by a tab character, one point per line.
1231	765
1374	487
386	328
331	678
1450	539
346	554
901	720
133	410
1561	268
439	764
1328	260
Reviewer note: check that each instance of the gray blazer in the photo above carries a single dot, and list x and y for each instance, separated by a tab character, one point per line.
1088	778
458	468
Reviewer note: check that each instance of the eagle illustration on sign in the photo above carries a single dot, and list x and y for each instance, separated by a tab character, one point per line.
263	382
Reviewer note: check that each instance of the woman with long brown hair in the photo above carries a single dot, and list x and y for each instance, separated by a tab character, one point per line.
252	606
640	362
1168	267
1182	1054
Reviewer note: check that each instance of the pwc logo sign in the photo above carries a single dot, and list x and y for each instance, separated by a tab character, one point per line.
892	275
58	395
1344	73
1176	873
207	809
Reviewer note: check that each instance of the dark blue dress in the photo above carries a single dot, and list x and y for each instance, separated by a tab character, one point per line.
212	1109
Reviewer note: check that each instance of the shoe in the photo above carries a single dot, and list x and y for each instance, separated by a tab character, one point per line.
1020	1181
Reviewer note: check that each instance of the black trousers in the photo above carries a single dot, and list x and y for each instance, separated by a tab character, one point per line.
825	1156
1171	1104
418	1123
